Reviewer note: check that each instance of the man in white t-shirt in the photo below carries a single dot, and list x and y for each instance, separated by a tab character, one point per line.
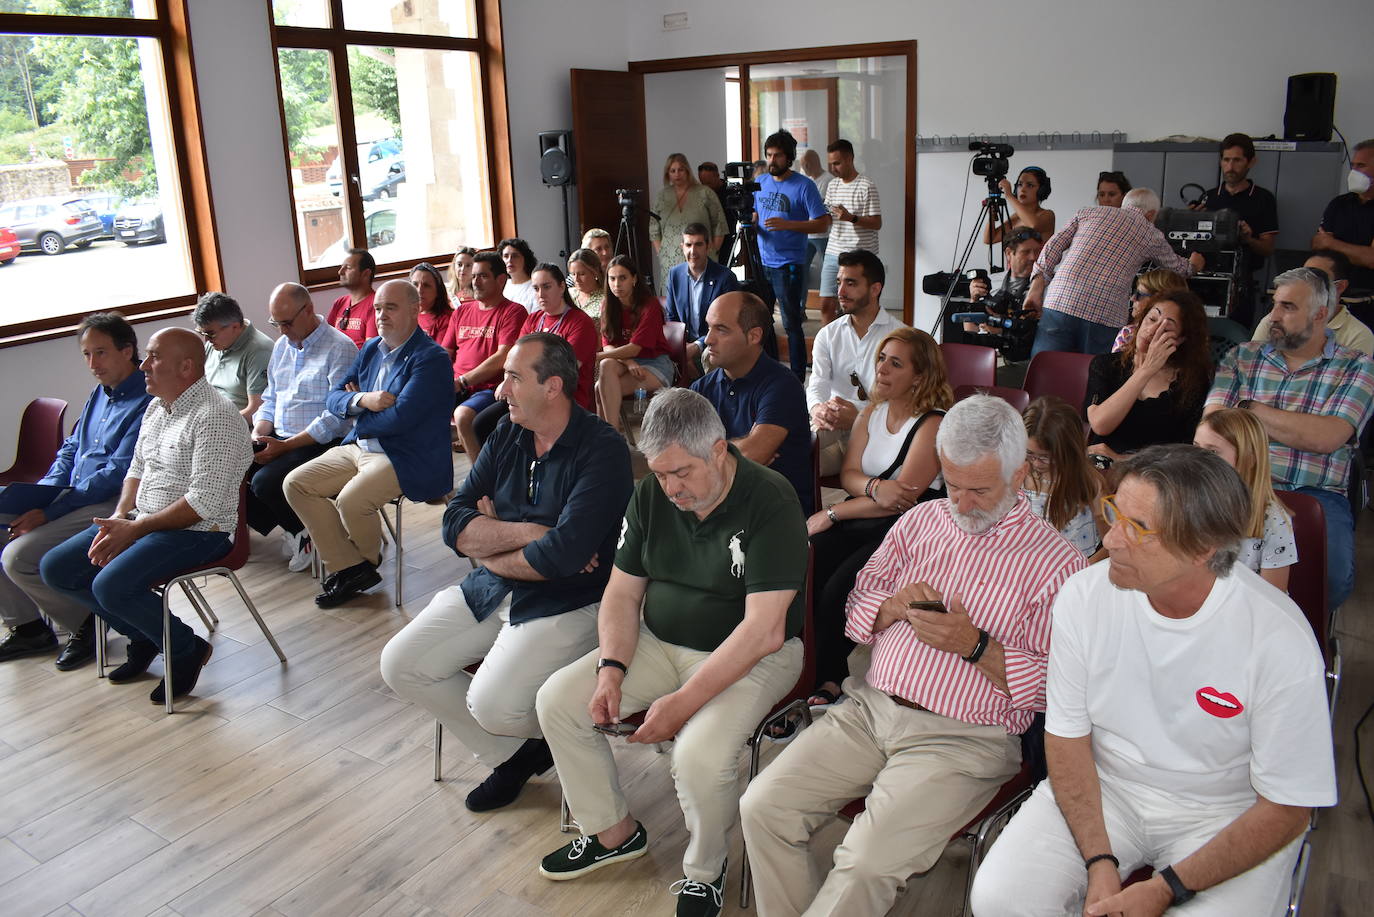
855	218
843	353
1186	725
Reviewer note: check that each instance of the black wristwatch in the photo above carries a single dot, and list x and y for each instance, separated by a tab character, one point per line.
611	663
1181	892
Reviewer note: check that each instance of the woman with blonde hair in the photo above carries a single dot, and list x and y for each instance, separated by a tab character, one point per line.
1061	483
1150	283
587	281
599	241
682	201
1238	437
889	467
459	284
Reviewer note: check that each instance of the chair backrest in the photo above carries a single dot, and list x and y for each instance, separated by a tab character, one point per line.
238	550
816	471
1055	372
676	335
1307	578
1018	398
1223	334
970	364
40	436
806	681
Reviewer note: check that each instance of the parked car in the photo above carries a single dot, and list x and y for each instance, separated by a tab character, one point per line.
9	245
50	224
140	221
105	204
382	169
379	224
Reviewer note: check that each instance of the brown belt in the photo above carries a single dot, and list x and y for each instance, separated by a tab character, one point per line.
902	701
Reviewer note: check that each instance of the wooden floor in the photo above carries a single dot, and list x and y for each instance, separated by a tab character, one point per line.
307	789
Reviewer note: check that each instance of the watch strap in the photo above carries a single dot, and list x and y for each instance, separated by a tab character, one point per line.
980	649
1180	891
612	663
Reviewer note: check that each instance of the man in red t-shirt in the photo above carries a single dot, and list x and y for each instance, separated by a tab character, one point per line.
483	330
352	312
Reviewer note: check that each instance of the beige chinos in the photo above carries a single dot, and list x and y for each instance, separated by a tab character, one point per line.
338	497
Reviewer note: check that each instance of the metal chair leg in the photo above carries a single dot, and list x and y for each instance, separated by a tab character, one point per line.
167	650
253	610
400	555
438	751
192	593
566	822
101	633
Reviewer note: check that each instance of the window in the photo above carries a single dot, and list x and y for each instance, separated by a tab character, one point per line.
387	115
101	171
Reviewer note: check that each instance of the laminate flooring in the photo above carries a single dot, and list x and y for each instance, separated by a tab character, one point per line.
306	789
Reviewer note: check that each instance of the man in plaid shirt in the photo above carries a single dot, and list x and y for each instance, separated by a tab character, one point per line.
1084	274
1313	397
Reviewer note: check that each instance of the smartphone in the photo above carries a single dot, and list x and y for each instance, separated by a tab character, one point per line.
615	729
259	445
929	605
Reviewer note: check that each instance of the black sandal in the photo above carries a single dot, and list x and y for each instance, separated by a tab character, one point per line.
827	698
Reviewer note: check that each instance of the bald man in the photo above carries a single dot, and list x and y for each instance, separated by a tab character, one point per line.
398	393
178	507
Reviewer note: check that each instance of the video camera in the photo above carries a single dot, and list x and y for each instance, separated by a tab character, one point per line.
992	162
739	191
628	199
1010	331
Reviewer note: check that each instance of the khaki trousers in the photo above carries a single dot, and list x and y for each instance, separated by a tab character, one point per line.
705	755
925	776
338	497
23	594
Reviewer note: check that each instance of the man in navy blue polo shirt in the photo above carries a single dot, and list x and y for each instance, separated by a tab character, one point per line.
761	403
1348	223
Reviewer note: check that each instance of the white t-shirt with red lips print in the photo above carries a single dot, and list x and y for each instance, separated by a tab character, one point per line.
1210	709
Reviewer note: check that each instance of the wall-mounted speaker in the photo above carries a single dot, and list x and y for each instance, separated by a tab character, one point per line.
556	157
1311	107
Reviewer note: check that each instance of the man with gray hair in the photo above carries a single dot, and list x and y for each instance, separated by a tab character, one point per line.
1083	277
1186	726
713	548
236	353
1313	397
955	604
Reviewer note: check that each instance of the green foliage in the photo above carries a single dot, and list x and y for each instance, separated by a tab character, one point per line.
306	95
14	145
373	81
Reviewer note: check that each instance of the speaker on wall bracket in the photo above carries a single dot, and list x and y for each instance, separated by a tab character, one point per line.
556	158
1311	107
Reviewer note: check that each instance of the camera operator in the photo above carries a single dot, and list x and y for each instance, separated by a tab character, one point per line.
1020	248
1024	198
1254	206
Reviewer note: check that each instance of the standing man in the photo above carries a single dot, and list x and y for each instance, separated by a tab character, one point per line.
700	625
1256	208
1348	222
1187	726
1084	275
762	405
91	463
236	353
352	313
856	215
177	509
294	425
1313	397
397	393
540	513
844	351
786	208
693	285
484	330
708	173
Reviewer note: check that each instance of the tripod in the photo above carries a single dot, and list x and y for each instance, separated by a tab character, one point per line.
996	206
745	250
627	242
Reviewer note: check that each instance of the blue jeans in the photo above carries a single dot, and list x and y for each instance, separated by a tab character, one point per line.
121	592
1061	331
1340	543
789	285
814	248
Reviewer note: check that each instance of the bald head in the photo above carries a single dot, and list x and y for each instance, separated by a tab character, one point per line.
398	310
289	308
175	360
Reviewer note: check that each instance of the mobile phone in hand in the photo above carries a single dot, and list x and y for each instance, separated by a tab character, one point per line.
929	605
615	729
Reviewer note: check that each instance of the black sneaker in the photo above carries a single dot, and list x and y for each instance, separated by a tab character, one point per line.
510	777
31	639
585	854
80	648
700	899
140	655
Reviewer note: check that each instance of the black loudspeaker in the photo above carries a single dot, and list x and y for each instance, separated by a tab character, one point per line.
1311	107
556	157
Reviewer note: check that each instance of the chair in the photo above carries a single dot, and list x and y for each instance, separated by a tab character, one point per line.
816	481
1018	398
970	364
676	335
1307	581
1223	334
317	566
1056	372
40	436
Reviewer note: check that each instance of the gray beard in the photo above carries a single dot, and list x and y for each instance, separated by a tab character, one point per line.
979	521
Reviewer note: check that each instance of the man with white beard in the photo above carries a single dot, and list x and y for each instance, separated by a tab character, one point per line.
956	606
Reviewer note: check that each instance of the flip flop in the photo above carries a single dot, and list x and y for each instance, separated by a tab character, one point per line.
827	697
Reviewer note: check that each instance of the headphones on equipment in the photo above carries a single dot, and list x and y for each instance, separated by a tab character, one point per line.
1044	190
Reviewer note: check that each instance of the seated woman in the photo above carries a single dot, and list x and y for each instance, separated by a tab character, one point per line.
599	241
436	312
1061	484
460	275
890	466
1111	188
587	282
1150	283
635	352
1032	186
1152	391
519	260
1239	438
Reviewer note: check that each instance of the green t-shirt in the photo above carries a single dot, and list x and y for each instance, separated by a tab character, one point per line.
700	570
241	371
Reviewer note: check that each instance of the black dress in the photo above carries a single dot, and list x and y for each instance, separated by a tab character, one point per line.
1166	418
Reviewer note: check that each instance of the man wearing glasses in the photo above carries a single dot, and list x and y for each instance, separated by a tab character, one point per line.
293	425
843	354
1186	726
236	353
539	514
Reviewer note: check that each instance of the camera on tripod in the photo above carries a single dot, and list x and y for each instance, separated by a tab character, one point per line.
739	191
991	163
628	198
1010	329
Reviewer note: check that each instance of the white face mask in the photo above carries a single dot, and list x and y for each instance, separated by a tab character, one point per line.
1357	182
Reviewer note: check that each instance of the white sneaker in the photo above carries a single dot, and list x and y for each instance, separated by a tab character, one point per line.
288	544
301	553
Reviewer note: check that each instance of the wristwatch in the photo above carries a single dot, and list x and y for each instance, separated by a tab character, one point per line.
830	511
611	663
1181	892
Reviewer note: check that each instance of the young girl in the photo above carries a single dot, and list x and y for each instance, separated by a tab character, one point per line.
460	275
1061	483
1239	438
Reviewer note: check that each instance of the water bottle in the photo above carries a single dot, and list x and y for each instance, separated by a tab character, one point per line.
641	401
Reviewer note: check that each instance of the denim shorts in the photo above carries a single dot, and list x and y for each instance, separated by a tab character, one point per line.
478	401
830	270
662	367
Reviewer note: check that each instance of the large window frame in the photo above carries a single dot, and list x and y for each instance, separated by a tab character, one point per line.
335	40
169	27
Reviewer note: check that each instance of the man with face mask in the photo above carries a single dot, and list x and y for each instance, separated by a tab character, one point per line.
1348	223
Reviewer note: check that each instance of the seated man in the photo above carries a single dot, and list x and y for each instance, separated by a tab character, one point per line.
540	512
843	354
693	285
1349	331
177	509
1347	224
762	405
353	312
293	425
484	330
932	732
1020	248
92	462
398	394
713	546
1186	727
236	353
1313	397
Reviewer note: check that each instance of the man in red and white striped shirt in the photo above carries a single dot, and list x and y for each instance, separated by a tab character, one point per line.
932	732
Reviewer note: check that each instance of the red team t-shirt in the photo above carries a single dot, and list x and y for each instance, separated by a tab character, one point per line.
358	320
577	328
478	332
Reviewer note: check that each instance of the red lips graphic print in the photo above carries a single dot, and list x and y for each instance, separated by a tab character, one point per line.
1220	704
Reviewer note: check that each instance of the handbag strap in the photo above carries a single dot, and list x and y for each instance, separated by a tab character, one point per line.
911	435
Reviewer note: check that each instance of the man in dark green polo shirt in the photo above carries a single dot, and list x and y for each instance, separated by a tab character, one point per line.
713	547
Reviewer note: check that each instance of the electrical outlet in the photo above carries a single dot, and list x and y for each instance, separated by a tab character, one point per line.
674	21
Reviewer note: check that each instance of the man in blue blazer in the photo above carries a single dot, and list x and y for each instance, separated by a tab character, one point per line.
399	393
693	285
